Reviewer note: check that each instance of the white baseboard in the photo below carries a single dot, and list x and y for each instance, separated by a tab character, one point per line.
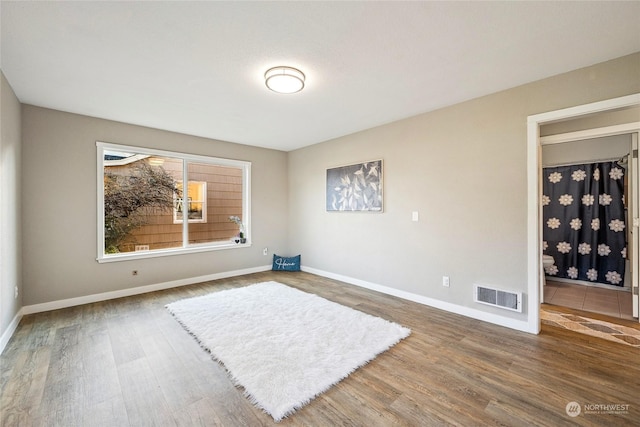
442	305
71	302
8	333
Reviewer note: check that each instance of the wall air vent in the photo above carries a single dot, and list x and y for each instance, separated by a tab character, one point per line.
498	298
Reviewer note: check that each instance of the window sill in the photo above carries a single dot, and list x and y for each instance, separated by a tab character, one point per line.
127	256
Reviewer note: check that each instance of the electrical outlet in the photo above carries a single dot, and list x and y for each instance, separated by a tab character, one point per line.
445	281
15	292
134	272
265	251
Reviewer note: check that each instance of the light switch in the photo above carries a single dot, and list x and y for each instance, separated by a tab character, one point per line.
415	216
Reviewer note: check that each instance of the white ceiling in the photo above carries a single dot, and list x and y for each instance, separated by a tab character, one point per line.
197	67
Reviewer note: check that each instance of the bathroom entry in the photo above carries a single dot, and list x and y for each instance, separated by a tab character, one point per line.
590	233
584	222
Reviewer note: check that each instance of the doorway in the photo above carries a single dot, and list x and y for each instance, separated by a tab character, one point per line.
574	119
591	270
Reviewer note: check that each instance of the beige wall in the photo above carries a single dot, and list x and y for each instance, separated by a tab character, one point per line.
463	168
59	184
10	195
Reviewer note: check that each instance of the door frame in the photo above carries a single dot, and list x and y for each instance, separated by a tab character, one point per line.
534	183
634	191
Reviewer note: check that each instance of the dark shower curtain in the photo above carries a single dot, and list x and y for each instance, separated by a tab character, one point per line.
584	222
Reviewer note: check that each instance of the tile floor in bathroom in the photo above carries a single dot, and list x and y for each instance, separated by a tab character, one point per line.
588	298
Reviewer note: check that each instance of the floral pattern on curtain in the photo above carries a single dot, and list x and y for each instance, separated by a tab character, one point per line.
584	222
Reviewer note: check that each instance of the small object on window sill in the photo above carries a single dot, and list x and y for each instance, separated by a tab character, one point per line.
243	240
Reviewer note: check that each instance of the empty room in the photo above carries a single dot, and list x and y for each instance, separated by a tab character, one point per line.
397	213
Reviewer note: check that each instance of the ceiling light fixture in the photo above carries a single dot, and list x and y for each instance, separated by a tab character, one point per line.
284	79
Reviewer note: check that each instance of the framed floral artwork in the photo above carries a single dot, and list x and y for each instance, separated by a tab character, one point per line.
355	188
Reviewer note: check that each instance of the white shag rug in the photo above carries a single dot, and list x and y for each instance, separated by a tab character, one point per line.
282	345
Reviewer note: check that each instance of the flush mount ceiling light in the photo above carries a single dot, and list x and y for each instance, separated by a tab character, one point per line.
284	79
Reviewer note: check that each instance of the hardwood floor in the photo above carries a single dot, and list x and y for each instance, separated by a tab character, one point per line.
128	362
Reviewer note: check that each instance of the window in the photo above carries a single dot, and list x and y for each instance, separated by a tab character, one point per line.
196	202
142	202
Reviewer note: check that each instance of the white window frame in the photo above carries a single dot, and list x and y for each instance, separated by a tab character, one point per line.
176	220
186	246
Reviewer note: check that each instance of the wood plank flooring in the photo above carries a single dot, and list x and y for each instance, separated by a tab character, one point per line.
128	362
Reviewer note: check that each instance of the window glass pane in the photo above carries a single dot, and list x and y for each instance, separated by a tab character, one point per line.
146	195
139	194
215	195
196	202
